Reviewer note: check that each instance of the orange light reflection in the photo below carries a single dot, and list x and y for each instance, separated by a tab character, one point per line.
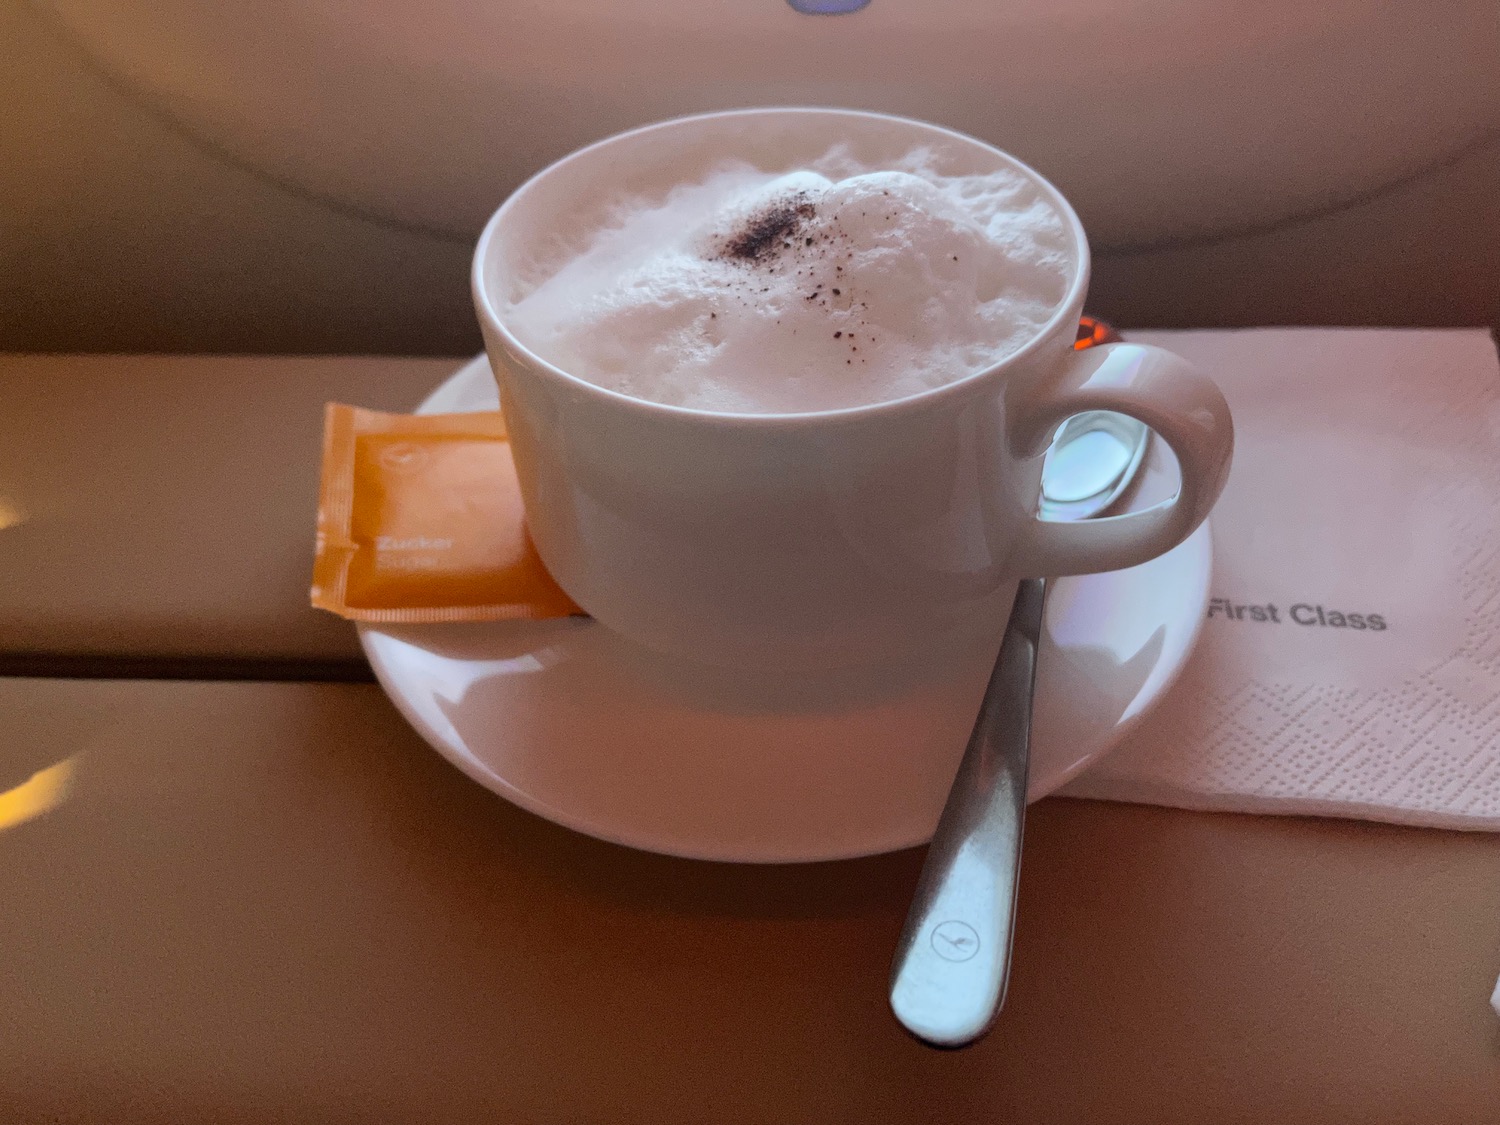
46	790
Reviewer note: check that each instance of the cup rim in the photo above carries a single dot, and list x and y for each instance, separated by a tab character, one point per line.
1066	308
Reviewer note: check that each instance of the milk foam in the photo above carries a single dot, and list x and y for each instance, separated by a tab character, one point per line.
832	286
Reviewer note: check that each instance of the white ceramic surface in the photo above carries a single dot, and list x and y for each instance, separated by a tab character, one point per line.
855	535
567	720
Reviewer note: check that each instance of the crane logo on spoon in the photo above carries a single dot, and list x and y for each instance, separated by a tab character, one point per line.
955	941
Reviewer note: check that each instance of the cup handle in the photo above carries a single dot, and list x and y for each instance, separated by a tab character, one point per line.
1185	409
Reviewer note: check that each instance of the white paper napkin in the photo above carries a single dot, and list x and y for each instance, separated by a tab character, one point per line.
1351	666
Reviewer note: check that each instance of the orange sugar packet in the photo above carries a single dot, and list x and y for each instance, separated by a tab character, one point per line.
420	520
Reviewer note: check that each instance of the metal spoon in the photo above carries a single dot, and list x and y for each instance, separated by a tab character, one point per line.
953	960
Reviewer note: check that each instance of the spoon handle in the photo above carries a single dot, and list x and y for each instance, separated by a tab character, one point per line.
953	960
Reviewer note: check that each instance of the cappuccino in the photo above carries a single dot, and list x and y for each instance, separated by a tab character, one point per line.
832	285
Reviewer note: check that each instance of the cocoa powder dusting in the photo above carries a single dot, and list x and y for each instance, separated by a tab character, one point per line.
762	234
780	234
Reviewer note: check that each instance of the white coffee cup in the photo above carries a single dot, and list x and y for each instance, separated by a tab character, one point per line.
840	537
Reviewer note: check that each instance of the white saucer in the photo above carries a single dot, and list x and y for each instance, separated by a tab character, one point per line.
576	725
